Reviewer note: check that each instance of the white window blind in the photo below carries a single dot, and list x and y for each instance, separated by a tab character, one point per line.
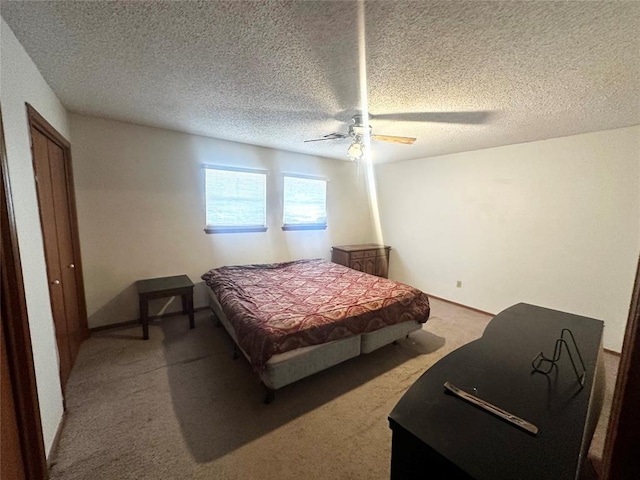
305	203
235	200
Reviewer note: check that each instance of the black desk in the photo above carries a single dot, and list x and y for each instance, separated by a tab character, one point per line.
438	435
160	288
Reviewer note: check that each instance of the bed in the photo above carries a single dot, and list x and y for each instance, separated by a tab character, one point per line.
293	319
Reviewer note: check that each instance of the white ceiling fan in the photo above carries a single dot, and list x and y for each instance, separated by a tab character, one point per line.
358	129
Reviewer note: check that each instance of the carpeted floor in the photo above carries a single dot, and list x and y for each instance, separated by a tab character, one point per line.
179	407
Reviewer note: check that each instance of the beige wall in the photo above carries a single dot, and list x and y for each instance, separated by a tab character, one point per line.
141	212
554	223
21	82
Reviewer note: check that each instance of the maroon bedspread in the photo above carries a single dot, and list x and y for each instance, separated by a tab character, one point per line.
279	307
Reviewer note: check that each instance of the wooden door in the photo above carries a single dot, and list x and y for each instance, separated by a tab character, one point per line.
40	145
65	251
10	448
57	216
621	447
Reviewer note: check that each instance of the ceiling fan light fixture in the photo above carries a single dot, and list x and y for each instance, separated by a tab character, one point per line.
356	150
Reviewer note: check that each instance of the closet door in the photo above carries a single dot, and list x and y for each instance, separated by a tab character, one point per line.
51	159
65	249
40	146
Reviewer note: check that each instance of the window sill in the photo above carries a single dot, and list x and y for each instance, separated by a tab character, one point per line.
234	229
304	227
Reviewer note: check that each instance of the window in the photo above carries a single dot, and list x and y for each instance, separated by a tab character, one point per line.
235	200
305	203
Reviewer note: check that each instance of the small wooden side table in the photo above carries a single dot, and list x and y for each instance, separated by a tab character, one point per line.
164	287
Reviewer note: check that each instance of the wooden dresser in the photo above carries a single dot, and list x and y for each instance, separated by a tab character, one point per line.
366	257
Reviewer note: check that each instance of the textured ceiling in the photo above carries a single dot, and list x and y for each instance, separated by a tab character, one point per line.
276	73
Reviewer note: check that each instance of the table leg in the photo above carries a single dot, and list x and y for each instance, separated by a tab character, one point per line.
144	317
189	296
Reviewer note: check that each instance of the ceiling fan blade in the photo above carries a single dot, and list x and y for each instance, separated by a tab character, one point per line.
471	118
330	136
320	139
394	139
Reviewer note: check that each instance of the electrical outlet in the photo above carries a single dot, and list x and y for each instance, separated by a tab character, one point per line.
459	284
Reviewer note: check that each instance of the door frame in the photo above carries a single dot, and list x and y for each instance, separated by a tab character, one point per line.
38	122
15	325
620	456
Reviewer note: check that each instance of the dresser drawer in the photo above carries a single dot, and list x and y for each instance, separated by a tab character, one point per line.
359	254
378	252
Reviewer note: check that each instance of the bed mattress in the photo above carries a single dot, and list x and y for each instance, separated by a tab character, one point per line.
277	308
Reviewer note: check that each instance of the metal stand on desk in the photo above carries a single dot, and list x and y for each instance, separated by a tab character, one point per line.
540	359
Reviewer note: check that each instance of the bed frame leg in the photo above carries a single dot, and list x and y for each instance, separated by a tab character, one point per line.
217	323
270	396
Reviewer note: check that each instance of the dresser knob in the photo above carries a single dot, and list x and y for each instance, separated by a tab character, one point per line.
56	282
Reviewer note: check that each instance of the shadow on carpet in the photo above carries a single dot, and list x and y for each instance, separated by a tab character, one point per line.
218	401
